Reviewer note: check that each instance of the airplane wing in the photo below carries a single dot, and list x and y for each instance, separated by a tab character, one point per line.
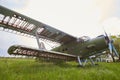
27	51
14	21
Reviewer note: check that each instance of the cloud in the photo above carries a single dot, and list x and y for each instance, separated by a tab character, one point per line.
106	7
112	25
117	9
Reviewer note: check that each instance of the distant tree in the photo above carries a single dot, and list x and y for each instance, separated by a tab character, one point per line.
113	36
117	44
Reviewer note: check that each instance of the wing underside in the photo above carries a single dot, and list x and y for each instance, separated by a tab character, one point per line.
27	51
13	21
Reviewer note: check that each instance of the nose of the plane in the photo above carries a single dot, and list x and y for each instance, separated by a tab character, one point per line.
111	47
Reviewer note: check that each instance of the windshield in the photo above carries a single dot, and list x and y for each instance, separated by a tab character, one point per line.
85	38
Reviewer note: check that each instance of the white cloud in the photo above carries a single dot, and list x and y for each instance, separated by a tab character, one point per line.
107	8
112	25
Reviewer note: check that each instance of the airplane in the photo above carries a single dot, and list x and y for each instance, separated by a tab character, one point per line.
71	48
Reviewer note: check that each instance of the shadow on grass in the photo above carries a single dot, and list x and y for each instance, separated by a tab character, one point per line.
64	64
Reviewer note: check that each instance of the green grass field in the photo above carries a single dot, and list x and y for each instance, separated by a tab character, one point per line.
29	69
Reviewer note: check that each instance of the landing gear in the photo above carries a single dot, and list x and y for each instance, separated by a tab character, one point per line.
82	63
79	61
92	62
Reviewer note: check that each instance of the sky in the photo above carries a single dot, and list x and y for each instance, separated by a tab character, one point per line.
75	17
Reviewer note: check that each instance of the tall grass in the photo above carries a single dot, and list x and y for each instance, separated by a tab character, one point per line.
28	69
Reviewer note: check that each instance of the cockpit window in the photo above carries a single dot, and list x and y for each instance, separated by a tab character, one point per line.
85	38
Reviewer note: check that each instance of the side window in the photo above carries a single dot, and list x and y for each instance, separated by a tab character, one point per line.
6	20
1	17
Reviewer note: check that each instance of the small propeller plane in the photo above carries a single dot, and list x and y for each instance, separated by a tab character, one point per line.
71	48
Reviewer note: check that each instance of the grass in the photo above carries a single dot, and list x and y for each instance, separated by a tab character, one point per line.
28	69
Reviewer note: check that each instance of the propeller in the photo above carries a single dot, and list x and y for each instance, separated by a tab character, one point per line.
110	45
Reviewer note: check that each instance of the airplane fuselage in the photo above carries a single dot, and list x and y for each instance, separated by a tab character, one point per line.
84	48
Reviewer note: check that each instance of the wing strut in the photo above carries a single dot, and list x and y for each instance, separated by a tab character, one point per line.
37	37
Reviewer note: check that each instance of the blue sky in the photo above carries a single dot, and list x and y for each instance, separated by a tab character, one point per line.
14	3
6	40
76	17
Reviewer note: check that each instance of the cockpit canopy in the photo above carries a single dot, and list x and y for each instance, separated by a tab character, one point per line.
83	38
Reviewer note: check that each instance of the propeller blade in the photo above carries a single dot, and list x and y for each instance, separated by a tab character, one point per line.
107	37
110	47
115	51
106	34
